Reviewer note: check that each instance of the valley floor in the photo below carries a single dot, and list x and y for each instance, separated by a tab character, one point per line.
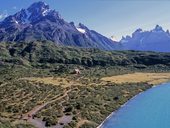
68	101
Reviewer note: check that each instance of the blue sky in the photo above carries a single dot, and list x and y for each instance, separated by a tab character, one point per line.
108	17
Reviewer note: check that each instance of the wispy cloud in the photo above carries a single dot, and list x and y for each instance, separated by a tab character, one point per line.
3	15
14	7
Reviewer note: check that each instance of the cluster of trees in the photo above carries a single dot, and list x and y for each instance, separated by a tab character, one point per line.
47	52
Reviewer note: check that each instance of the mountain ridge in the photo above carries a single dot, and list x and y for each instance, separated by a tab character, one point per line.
39	22
156	39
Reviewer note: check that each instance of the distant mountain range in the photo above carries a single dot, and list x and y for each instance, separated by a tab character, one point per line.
153	40
39	22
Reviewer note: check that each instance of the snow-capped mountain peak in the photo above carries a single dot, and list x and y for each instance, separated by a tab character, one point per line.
38	8
154	40
39	22
35	12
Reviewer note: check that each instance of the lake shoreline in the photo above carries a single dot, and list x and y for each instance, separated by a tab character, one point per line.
114	112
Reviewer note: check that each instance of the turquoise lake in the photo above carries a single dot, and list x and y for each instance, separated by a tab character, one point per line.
150	109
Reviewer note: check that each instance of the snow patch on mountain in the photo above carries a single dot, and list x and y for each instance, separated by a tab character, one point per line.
81	30
16	21
113	38
45	12
39	22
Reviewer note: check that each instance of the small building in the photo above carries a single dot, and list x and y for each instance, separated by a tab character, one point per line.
77	71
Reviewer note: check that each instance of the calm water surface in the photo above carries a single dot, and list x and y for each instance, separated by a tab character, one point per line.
150	109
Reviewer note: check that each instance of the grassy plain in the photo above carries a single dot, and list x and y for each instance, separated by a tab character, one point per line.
150	78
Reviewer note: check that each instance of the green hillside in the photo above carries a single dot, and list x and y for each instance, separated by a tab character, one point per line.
40	76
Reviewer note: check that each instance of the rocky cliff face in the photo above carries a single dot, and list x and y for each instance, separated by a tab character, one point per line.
39	22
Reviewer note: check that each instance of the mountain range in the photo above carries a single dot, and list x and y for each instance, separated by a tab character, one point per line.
40	23
153	40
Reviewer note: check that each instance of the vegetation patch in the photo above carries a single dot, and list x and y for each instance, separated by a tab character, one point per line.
38	83
58	81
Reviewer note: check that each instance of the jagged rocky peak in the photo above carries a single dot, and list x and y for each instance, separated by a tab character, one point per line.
72	23
80	25
158	29
167	31
39	8
156	39
35	12
39	22
139	30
